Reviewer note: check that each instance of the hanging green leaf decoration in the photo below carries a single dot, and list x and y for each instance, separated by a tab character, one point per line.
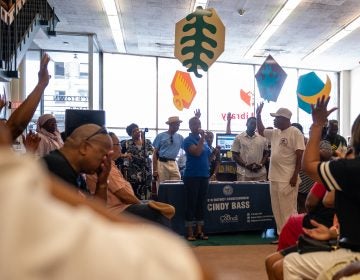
199	37
199	40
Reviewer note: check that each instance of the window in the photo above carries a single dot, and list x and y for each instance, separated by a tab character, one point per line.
231	89
167	108
84	70
129	91
59	70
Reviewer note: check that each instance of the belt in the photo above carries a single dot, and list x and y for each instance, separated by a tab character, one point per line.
163	159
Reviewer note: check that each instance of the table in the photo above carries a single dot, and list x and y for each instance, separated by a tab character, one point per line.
230	206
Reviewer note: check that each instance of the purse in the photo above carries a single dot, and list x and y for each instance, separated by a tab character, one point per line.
307	244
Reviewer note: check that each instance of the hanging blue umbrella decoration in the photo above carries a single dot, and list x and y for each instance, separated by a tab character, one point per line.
270	78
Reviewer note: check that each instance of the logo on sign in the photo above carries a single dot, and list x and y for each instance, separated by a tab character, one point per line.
227	218
228	190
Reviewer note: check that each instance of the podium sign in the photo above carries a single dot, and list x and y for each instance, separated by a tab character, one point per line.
230	206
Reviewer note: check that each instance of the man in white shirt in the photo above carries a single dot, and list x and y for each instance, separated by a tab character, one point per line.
287	147
250	152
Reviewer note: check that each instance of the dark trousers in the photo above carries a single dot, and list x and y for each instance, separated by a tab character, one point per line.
195	196
146	212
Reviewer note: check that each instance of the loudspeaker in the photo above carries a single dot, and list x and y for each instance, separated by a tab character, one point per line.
75	118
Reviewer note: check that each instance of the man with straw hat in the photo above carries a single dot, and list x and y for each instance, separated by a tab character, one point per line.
167	146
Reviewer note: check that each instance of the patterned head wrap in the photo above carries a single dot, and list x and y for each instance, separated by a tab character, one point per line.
42	120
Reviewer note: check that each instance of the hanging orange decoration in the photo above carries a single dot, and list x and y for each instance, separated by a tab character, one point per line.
183	90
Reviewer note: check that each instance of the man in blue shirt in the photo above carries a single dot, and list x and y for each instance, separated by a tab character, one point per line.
167	145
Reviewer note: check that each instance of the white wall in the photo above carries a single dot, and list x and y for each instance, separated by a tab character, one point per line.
344	103
355	94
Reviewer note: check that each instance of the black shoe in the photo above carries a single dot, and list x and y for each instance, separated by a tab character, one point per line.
275	242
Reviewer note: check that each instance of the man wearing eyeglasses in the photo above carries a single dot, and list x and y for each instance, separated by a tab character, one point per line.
86	151
167	146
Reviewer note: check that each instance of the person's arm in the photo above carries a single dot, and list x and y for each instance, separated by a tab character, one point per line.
197	149
349	270
311	156
20	118
266	154
103	178
294	177
2	101
31	142
126	197
217	161
259	124
228	123
61	191
236	157
311	202
329	199
155	163
321	232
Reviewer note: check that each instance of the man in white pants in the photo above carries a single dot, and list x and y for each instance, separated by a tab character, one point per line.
287	147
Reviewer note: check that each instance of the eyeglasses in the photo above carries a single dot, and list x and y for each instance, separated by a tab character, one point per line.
101	130
171	139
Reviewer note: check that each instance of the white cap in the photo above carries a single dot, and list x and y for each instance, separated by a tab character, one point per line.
282	112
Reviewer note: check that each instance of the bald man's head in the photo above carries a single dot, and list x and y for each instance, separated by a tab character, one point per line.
86	147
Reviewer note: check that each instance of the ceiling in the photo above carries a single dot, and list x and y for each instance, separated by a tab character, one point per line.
149	27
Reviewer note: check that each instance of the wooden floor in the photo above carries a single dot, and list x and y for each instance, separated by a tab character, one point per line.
242	262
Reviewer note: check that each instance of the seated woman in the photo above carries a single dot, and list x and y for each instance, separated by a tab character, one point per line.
50	138
314	208
120	196
294	226
343	176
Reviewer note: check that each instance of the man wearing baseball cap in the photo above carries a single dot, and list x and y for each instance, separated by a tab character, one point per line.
287	147
167	145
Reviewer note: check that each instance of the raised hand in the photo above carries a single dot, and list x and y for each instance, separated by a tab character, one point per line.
197	113
104	169
31	141
43	73
2	101
319	111
228	116
259	108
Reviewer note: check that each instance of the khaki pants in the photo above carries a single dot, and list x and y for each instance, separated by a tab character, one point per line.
168	171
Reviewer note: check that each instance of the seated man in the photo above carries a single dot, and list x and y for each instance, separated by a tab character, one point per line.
58	239
86	151
121	197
